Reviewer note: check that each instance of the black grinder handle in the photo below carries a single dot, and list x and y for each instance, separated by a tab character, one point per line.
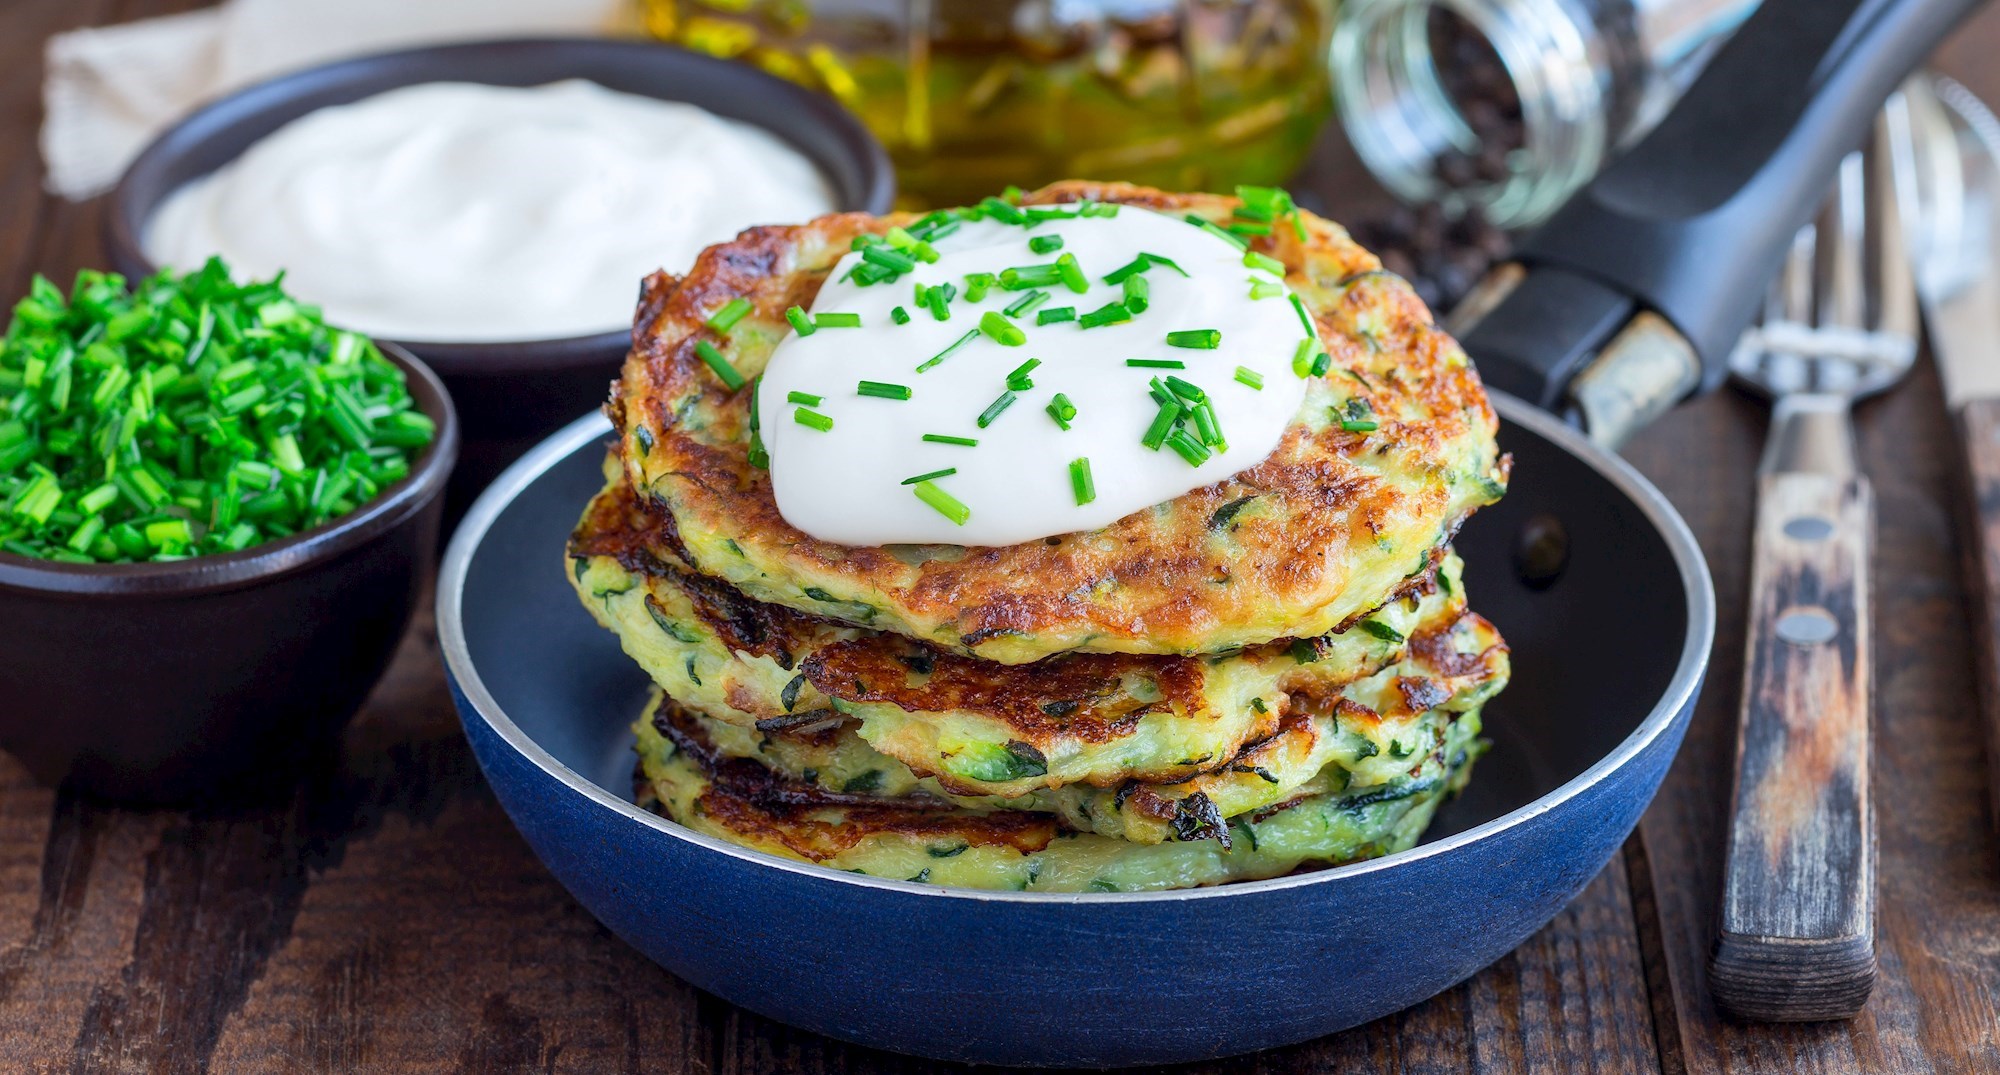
1693	221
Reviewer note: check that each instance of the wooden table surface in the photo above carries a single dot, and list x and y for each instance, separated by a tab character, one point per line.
390	919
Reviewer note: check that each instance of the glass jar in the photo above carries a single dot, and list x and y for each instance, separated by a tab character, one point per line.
972	95
1510	105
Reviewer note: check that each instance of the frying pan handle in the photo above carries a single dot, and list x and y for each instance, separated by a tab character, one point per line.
1693	222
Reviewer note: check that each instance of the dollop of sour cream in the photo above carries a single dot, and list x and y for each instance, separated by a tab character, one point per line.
454	212
848	481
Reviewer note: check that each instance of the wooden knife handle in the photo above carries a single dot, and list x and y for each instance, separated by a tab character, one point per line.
1797	935
1979	431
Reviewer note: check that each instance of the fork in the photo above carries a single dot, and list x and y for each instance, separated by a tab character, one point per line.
1797	929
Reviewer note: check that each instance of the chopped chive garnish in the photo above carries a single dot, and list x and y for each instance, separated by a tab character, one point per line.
1158	389
730	378
1054	314
1270	199
910	244
1002	331
977	284
899	315
1021	277
1247	376
1157	363
1321	363
1080	481
1188	448
882	390
1062	410
1208	426
1265	289
1039	214
801	324
1359	425
1012	194
1045	244
1072	273
1019	380
1163	424
1111	313
993	409
812	419
1201	339
1251	212
1302	356
946	504
996	209
726	317
970	335
938	300
1155	259
1210	227
837	320
1186	389
1138	294
1237	228
759	458
1026	302
803	399
945	473
1099	209
940	438
1269	264
1305	318
893	260
1131	268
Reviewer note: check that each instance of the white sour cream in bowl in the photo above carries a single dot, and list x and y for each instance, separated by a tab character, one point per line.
462	212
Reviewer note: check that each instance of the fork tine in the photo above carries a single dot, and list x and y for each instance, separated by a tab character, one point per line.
1895	283
1797	279
1843	301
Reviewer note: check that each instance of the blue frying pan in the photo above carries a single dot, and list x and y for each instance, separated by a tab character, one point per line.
1596	582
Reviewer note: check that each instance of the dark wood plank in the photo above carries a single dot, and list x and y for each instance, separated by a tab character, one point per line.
1979	532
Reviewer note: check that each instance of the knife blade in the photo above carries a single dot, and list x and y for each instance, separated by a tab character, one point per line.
1948	169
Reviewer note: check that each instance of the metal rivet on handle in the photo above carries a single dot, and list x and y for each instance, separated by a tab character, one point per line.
1809	626
1808	528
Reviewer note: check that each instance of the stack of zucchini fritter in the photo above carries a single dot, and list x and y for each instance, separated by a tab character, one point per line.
1275	671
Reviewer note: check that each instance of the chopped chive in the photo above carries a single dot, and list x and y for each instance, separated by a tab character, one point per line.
1111	313
837	320
1210	227
1012	194
1080	481
1062	410
1247	376
1131	268
1018	380
938	300
726	317
946	504
1249	229
899	315
1251	212
993	409
893	260
1138	294
1305	319
730	378
812	419
1209	426
945	473
1072	273
1155	259
1099	209
1321	363
1188	448
1265	289
910	244
1186	390
1026	302
1002	331
1302	357
940	438
996	209
1163	424
1045	244
803	399
1269	264
882	390
1158	389
1202	339
801	323
1359	425
1054	314
1157	363
977	284
1021	277
969	336
1040	214
1269	199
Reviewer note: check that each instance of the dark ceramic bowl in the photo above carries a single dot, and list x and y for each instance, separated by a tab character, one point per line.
513	394
1607	657
214	678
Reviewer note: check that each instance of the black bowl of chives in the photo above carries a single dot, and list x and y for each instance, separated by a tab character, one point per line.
515	393
230	647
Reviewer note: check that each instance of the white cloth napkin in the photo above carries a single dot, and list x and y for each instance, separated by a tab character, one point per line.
111	89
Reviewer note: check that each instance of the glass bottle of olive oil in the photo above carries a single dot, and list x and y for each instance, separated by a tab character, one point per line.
971	95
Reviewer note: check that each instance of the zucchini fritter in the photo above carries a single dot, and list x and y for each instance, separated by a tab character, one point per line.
1333	524
687	781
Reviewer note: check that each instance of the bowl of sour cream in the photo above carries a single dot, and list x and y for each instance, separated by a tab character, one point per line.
492	207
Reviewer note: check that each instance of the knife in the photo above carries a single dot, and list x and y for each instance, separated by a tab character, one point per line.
1951	167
